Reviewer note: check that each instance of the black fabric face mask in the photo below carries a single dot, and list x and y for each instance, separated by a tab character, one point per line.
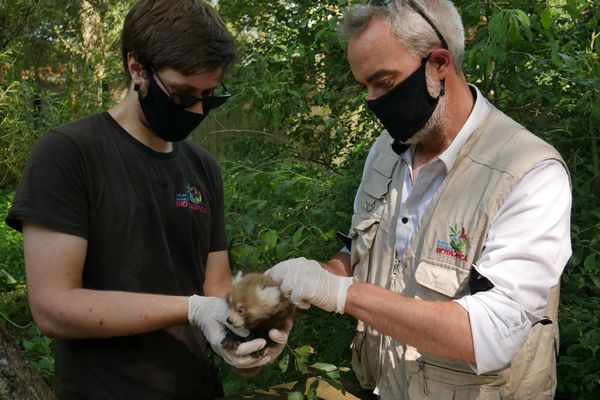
407	107
170	122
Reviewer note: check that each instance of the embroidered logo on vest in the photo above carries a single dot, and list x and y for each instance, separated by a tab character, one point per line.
458	243
192	199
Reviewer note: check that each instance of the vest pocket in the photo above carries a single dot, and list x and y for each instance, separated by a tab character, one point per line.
439	383
362	233
362	352
440	281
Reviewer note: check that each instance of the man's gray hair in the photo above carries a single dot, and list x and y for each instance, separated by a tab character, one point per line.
411	29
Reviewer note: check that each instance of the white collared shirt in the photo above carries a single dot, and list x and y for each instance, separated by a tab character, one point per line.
526	250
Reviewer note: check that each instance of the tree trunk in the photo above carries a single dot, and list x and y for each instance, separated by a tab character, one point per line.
18	379
93	46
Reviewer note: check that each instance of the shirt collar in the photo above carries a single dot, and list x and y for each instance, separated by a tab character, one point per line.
478	114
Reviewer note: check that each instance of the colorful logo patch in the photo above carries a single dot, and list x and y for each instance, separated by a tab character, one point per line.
458	243
192	199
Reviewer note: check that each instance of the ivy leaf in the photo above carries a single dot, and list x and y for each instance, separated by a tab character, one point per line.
321	33
514	33
523	18
297	392
590	263
497	26
295	395
301	366
304	351
242	250
335	383
546	19
297	237
325	367
333	374
555	55
270	239
311	393
284	363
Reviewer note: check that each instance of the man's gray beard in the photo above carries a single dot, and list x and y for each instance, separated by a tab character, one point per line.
434	126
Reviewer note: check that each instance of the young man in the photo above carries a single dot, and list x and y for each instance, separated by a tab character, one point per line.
460	229
123	226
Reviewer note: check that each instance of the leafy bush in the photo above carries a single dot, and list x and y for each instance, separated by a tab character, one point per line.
539	62
279	209
293	166
11	248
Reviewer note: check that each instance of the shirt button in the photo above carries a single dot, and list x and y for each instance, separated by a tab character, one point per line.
404	220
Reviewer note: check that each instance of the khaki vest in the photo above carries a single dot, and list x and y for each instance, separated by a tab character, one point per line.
437	262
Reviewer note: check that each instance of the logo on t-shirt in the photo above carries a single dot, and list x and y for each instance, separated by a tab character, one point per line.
192	199
456	246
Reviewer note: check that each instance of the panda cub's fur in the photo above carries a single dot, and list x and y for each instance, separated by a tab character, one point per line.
256	304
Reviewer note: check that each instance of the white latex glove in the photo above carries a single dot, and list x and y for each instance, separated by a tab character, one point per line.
280	337
210	314
306	282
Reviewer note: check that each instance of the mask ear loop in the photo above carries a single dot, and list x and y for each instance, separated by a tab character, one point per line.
442	82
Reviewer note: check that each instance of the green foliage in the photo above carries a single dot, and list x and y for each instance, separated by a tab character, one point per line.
315	372
15	317
61	64
293	80
39	349
539	62
317	351
279	209
11	249
292	168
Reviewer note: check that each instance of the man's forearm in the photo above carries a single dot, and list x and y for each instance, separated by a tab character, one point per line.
439	328
84	313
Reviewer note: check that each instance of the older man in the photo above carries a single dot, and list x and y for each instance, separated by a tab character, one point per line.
460	229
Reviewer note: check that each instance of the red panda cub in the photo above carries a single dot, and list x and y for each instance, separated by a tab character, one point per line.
256	304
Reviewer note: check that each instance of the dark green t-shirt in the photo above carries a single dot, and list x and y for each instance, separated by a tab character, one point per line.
150	219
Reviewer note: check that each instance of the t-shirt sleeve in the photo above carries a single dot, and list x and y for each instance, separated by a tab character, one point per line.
52	191
218	237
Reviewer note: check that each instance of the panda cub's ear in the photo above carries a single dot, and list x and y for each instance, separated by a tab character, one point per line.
269	295
237	277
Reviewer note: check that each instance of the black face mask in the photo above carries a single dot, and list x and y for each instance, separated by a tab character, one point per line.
407	107
170	122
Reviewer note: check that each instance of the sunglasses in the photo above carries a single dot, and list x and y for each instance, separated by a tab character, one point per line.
184	100
419	10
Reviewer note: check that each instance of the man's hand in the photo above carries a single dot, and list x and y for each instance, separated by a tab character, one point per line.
210	314
280	337
306	282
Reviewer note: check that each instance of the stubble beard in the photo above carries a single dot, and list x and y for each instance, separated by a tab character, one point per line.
434	127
